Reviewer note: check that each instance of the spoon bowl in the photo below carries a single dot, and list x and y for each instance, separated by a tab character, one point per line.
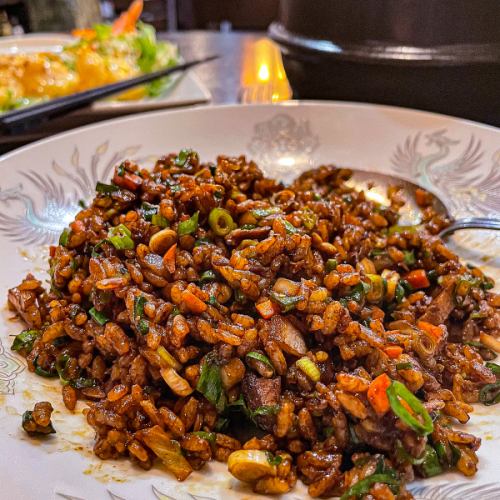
376	185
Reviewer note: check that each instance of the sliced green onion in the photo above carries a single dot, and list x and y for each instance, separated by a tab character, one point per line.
98	316
260	357
430	465
397	391
83	383
168	358
97	246
183	157
23	342
309	219
207	276
175	312
143	326
361	488
289	227
265	410
404	457
261	213
404	366
494	368
201	242
248	226
286	303
309	368
106	188
331	265
64	238
159	220
402	229
399	293
210	382
489	395
377	288
149	210
208	436
188	226
220	221
409	257
42	372
273	459
139	302
61	364
120	237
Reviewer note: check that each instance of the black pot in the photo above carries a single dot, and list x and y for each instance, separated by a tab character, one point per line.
437	55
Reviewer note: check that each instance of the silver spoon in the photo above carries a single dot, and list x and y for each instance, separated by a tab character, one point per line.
375	186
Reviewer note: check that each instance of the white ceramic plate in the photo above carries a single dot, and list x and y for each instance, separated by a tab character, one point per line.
183	89
39	193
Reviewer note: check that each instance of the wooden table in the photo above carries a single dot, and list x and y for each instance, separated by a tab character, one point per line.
221	77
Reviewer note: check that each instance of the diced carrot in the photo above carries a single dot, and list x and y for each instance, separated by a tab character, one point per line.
393	351
169	258
434	331
77	226
418	279
128	19
128	181
377	395
52	250
193	303
267	309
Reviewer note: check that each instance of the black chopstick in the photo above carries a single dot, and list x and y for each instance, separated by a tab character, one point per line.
25	118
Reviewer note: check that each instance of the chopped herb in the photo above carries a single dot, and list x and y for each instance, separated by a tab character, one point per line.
175	312
432	276
23	342
316	197
221	424
82	204
239	296
106	188
121	170
141	324
98	316
188	226
285	302
218	195
175	188
212	300
97	246
247	227
487	284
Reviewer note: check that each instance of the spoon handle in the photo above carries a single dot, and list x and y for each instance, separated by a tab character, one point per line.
471	223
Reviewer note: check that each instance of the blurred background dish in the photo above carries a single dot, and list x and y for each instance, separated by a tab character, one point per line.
440	56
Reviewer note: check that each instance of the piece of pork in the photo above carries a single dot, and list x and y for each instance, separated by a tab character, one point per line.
261	392
440	307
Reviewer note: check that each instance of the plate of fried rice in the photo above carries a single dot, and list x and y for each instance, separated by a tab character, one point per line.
200	305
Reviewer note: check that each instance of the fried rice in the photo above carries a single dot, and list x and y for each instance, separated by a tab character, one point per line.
194	297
